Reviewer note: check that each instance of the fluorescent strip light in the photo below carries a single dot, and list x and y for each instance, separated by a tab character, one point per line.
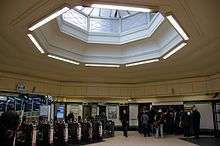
174	50
102	65
126	8
49	18
35	43
63	59
142	62
177	27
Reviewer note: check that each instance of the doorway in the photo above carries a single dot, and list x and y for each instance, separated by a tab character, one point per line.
87	111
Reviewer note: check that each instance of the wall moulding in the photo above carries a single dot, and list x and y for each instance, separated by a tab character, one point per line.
183	87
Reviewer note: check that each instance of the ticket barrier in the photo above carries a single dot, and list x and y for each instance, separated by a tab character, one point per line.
108	129
24	135
86	132
43	135
97	131
72	133
59	134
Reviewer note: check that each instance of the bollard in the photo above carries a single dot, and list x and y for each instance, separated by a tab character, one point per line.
100	129
79	131
34	135
66	133
51	134
90	130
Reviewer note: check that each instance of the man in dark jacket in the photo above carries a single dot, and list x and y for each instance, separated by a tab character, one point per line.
145	123
9	122
187	123
124	120
196	122
140	130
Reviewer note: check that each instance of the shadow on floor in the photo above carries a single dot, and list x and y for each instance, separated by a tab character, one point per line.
204	141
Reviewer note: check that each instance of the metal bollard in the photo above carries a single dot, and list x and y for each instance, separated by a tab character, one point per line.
66	133
100	129
51	134
90	130
79	132
34	135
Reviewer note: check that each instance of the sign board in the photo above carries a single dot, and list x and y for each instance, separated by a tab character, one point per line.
44	110
20	87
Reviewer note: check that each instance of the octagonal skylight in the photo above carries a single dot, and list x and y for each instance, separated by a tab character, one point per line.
108	26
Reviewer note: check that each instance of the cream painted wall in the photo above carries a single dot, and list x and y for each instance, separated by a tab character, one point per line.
175	88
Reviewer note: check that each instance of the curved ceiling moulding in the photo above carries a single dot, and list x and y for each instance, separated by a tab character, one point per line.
166	44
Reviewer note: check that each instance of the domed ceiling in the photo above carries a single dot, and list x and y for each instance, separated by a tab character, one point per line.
110	37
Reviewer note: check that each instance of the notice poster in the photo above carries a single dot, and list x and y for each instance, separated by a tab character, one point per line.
76	109
133	113
94	111
112	112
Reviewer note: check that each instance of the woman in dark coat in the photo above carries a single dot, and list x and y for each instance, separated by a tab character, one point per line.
196	122
124	120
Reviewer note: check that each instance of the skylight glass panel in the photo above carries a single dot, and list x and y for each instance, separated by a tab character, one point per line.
76	19
134	22
113	13
132	12
103	25
123	14
79	7
95	12
105	13
87	10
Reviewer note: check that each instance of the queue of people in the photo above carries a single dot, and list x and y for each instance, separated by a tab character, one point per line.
157	122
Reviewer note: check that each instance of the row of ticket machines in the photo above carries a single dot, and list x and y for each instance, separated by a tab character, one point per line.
61	133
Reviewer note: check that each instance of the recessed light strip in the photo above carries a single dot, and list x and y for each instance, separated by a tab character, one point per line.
63	59
102	65
35	43
142	62
117	7
174	50
177	27
49	18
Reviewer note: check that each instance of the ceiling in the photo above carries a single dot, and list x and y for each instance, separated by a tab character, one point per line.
200	57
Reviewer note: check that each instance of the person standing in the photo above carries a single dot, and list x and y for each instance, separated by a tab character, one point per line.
187	123
145	123
9	122
196	121
140	122
124	120
159	123
70	117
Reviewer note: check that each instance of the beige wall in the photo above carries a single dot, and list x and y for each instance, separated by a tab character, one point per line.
183	89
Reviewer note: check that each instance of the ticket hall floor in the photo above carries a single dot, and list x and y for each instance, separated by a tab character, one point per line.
135	139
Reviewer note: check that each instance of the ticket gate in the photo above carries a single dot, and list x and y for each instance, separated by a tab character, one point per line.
43	135
24	135
96	131
86	132
59	133
73	133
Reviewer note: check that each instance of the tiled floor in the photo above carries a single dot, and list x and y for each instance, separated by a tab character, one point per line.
135	139
204	141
